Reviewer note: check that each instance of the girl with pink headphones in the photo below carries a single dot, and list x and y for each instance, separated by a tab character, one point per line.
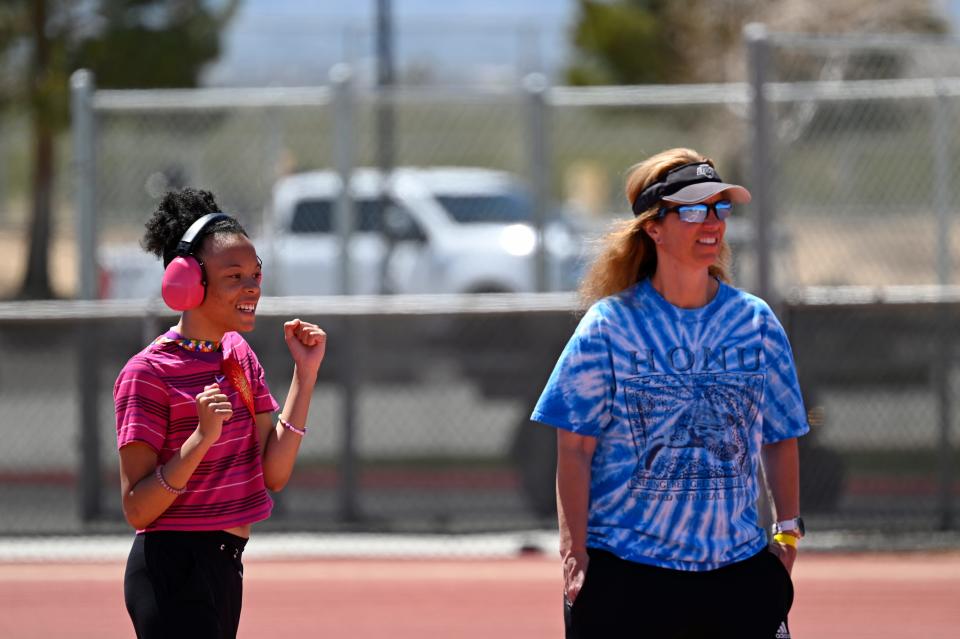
199	445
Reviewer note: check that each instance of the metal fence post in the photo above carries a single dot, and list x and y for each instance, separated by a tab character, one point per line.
941	388
758	58
343	157
4	170
535	86
84	167
82	87
942	200
943	172
341	78
758	51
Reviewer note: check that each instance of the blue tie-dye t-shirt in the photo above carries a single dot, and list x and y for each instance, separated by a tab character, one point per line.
680	401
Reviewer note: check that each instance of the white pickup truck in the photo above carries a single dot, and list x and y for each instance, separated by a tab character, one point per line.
424	230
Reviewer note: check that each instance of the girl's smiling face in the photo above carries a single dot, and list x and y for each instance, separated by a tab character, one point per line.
233	273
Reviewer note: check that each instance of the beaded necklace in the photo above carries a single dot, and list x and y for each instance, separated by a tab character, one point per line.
231	368
195	345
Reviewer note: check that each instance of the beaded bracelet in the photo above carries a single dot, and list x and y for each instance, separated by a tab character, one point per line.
167	487
292	428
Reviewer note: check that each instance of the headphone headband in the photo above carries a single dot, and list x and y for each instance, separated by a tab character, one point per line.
186	244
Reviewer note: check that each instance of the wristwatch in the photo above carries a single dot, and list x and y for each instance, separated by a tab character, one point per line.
792	526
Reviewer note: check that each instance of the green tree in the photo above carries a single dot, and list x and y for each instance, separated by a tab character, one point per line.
620	43
127	44
674	41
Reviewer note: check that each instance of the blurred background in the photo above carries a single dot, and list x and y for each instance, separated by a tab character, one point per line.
485	146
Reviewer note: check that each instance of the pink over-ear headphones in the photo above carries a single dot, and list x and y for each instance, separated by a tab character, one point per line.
184	280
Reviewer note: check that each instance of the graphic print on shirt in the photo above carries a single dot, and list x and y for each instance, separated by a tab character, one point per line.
691	431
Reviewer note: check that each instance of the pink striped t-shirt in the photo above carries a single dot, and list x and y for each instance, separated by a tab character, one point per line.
155	401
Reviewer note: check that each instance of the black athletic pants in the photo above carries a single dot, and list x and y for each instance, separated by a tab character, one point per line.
185	585
747	600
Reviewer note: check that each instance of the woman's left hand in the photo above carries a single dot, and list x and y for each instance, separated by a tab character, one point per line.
307	343
785	553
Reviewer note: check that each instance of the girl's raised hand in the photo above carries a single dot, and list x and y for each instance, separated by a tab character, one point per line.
307	343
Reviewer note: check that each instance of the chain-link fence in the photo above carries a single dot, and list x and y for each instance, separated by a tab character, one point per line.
865	156
864	152
852	174
429	430
569	147
878	371
424	435
859	174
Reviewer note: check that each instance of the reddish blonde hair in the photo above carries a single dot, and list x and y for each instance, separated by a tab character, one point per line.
628	254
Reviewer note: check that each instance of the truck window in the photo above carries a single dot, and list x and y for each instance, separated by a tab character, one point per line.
369	216
312	216
471	209
373	218
317	216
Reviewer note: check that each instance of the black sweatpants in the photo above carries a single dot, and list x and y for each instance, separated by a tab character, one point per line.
747	600
185	584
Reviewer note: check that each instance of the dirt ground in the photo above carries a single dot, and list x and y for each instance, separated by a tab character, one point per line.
875	596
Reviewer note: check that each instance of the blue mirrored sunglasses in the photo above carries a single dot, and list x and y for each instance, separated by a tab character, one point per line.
697	213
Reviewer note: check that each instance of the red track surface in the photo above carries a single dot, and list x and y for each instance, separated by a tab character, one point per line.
916	596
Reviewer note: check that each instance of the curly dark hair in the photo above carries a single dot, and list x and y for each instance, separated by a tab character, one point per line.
174	215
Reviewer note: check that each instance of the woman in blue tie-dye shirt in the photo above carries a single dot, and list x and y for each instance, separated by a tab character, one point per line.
672	389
